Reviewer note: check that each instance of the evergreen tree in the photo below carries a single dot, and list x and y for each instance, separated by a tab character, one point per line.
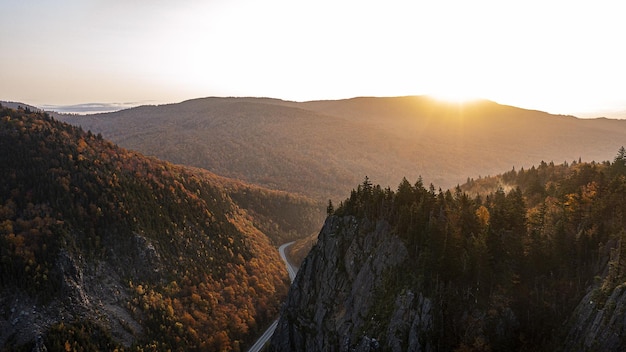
619	163
330	209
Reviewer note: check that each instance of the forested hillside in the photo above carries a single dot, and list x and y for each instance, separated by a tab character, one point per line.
323	148
103	248
499	264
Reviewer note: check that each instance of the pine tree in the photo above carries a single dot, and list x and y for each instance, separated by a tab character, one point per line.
619	163
330	209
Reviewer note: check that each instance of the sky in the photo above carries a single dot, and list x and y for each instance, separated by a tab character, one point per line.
563	57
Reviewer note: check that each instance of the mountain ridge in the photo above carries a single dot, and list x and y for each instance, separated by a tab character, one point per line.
276	143
104	248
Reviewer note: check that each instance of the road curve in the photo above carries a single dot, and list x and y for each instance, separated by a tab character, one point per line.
290	268
260	343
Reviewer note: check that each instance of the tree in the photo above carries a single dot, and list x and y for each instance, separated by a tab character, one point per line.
621	154
330	209
619	163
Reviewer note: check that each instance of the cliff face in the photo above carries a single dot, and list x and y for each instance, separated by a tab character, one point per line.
92	292
330	304
417	271
598	323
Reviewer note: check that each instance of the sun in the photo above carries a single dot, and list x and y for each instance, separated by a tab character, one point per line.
456	86
452	95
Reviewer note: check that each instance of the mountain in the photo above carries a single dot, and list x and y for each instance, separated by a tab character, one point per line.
322	148
104	248
18	105
532	259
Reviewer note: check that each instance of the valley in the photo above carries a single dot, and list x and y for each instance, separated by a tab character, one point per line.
263	339
115	248
104	248
312	176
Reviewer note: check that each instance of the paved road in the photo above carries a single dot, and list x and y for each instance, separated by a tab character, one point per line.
260	343
290	268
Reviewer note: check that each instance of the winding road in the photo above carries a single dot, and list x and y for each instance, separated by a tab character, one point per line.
260	343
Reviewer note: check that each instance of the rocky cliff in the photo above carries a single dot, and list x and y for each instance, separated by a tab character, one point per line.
599	324
331	303
414	270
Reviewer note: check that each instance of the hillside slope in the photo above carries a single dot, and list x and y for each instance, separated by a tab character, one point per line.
103	248
322	148
536	263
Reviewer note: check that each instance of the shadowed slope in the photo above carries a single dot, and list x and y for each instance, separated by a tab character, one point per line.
102	247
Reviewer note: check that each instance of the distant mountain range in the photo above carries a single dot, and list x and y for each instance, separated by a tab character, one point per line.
323	148
15	105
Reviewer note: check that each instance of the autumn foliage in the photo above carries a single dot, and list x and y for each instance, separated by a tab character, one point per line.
197	268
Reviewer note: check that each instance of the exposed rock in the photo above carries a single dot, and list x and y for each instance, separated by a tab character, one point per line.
93	293
412	321
72	282
598	327
147	258
21	319
342	301
330	300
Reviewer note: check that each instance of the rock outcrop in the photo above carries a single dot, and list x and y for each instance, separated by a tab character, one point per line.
598	323
344	299
91	292
330	304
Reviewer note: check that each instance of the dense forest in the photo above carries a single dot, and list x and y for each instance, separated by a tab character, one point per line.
103	248
506	259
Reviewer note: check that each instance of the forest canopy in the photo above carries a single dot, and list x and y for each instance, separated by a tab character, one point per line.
518	250
184	254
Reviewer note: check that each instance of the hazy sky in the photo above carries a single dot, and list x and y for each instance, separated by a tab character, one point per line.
558	56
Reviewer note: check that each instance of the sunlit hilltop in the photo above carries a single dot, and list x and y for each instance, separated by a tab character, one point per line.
159	161
322	148
568	61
